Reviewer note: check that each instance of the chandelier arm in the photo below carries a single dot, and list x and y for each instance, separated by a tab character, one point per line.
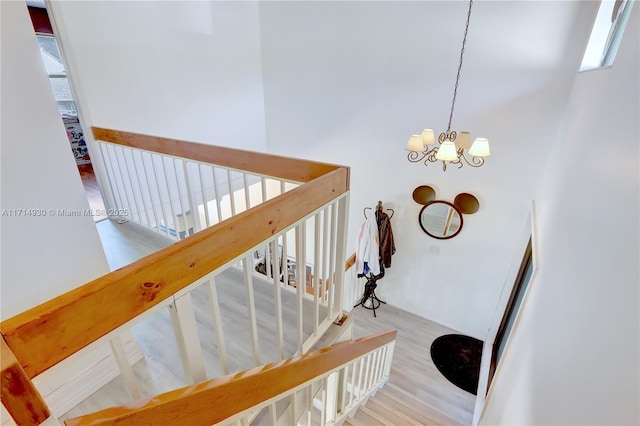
429	156
475	161
455	89
457	162
416	157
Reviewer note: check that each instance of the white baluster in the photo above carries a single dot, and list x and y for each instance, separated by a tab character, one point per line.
325	402
341	254
263	185
183	210
309	389
325	253
294	415
361	378
116	175
376	362
130	205
247	197
332	397
174	218
277	295
204	198
301	281
125	368
285	260
195	215
316	273
162	208
145	172
133	190
184	325
367	374
273	418
353	383
232	198
216	194
217	325
135	171
343	380
332	263
110	201
389	360
251	309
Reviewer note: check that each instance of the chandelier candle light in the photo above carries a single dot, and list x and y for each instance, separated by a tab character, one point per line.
451	145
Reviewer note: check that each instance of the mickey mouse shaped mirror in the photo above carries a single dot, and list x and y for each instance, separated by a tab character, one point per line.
441	219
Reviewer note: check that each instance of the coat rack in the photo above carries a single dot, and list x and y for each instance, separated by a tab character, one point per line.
369	294
378	208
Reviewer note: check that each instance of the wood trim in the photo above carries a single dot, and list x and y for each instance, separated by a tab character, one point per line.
350	262
216	400
50	332
260	163
19	396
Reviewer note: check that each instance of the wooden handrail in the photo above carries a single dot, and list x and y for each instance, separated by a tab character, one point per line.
54	330
266	164
215	400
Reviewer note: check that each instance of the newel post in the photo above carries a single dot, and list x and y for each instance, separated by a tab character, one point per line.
341	252
19	396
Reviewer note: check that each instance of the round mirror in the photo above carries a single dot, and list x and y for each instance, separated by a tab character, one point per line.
440	219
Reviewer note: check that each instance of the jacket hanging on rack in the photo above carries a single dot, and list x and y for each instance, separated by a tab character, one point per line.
368	248
387	245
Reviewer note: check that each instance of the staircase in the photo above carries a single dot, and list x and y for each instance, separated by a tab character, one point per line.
392	406
303	224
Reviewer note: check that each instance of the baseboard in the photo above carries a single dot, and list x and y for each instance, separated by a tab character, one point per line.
76	378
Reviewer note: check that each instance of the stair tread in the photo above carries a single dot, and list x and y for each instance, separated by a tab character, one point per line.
409	410
418	405
364	417
394	416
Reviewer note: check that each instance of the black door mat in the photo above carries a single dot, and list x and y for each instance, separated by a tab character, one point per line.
457	357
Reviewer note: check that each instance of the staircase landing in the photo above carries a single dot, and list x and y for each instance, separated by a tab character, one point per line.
414	379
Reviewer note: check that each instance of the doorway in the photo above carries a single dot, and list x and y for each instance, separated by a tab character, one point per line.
54	65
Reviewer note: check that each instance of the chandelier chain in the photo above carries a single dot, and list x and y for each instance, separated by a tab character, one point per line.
455	89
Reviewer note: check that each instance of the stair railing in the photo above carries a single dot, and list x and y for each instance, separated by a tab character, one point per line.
101	310
172	194
341	377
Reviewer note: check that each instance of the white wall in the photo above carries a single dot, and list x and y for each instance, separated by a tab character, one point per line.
42	257
573	356
348	82
184	69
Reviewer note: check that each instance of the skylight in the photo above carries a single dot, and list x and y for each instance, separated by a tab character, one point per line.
606	34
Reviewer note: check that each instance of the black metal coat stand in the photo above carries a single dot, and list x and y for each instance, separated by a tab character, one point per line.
370	293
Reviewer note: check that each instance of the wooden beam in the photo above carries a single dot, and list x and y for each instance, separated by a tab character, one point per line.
218	399
264	164
54	330
21	399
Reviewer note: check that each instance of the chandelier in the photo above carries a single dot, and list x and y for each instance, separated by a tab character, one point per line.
451	145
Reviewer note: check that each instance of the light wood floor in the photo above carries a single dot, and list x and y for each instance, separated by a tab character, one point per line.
412	368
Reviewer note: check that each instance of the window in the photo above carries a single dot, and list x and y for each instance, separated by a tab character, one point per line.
606	34
57	75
